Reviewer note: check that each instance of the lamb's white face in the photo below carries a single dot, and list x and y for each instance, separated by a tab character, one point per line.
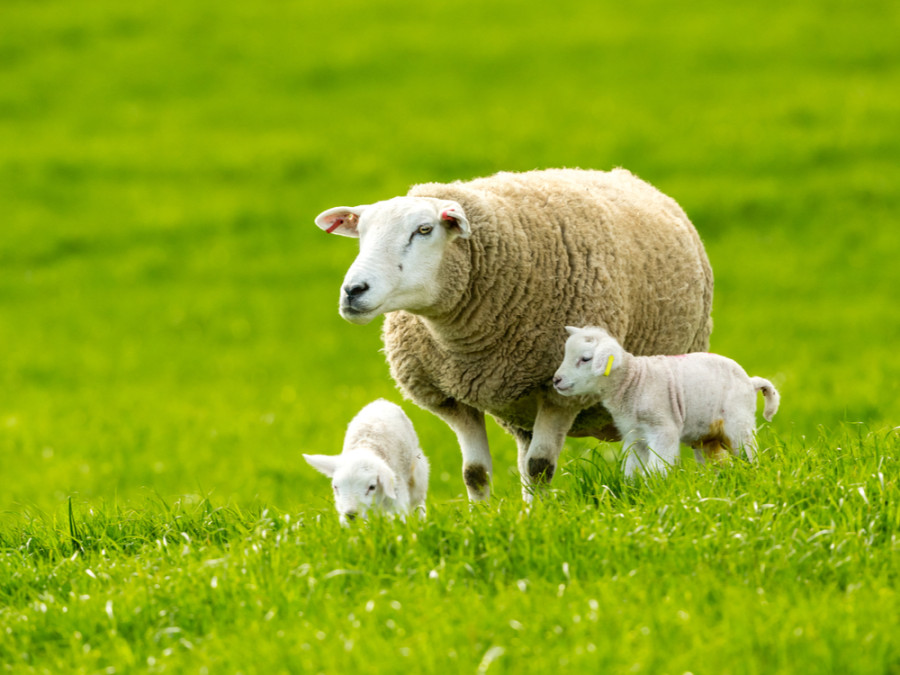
357	490
401	245
360	484
587	359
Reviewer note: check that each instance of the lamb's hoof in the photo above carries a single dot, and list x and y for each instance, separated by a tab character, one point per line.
541	470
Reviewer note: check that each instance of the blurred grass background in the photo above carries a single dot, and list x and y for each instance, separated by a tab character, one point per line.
168	311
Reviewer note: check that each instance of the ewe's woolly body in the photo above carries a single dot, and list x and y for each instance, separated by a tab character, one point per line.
550	249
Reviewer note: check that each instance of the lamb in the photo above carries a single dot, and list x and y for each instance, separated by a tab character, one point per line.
478	280
704	400
380	467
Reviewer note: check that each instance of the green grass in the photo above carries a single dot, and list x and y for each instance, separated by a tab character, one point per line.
747	568
171	345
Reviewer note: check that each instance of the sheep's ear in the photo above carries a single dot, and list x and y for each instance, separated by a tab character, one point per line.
572	330
342	220
453	216
326	464
388	482
603	363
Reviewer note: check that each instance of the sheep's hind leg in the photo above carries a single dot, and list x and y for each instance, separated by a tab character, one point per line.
715	446
468	424
523	442
550	428
747	443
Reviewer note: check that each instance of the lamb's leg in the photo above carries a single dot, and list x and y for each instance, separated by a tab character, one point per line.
747	442
401	504
468	425
635	451
550	428
663	448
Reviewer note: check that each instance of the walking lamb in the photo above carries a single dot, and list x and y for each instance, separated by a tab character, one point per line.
706	401
381	466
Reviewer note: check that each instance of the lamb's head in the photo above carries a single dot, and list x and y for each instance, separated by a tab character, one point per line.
591	356
401	244
360	481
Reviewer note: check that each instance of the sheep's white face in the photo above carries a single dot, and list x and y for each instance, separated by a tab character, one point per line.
357	490
587	361
401	245
359	484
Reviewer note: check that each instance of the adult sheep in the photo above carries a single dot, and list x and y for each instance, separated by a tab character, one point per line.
479	279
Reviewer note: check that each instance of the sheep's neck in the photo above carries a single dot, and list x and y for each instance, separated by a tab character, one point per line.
622	382
469	314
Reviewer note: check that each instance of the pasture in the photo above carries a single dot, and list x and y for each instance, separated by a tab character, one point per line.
171	344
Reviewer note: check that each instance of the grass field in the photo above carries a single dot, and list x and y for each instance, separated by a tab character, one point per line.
171	344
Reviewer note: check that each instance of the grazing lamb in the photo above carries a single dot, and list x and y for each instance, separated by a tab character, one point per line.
479	279
380	467
704	400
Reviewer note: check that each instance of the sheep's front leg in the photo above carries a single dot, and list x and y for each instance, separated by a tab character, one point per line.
468	425
663	448
635	451
401	504
650	450
550	428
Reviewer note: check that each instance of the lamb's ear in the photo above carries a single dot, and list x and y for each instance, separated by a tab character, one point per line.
454	218
341	220
326	464
603	363
388	482
572	330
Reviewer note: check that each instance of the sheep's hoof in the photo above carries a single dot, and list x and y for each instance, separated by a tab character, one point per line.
477	481
541	470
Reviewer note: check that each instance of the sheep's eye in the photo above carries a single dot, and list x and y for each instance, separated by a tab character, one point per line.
424	229
371	489
585	359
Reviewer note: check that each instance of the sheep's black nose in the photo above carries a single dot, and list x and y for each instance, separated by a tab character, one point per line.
350	515
556	380
355	290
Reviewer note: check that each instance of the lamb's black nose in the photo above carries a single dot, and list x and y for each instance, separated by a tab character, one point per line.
556	380
355	290
350	515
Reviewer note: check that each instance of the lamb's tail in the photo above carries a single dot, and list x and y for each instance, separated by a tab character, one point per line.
770	393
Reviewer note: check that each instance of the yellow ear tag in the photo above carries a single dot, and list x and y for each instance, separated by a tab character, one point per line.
608	366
